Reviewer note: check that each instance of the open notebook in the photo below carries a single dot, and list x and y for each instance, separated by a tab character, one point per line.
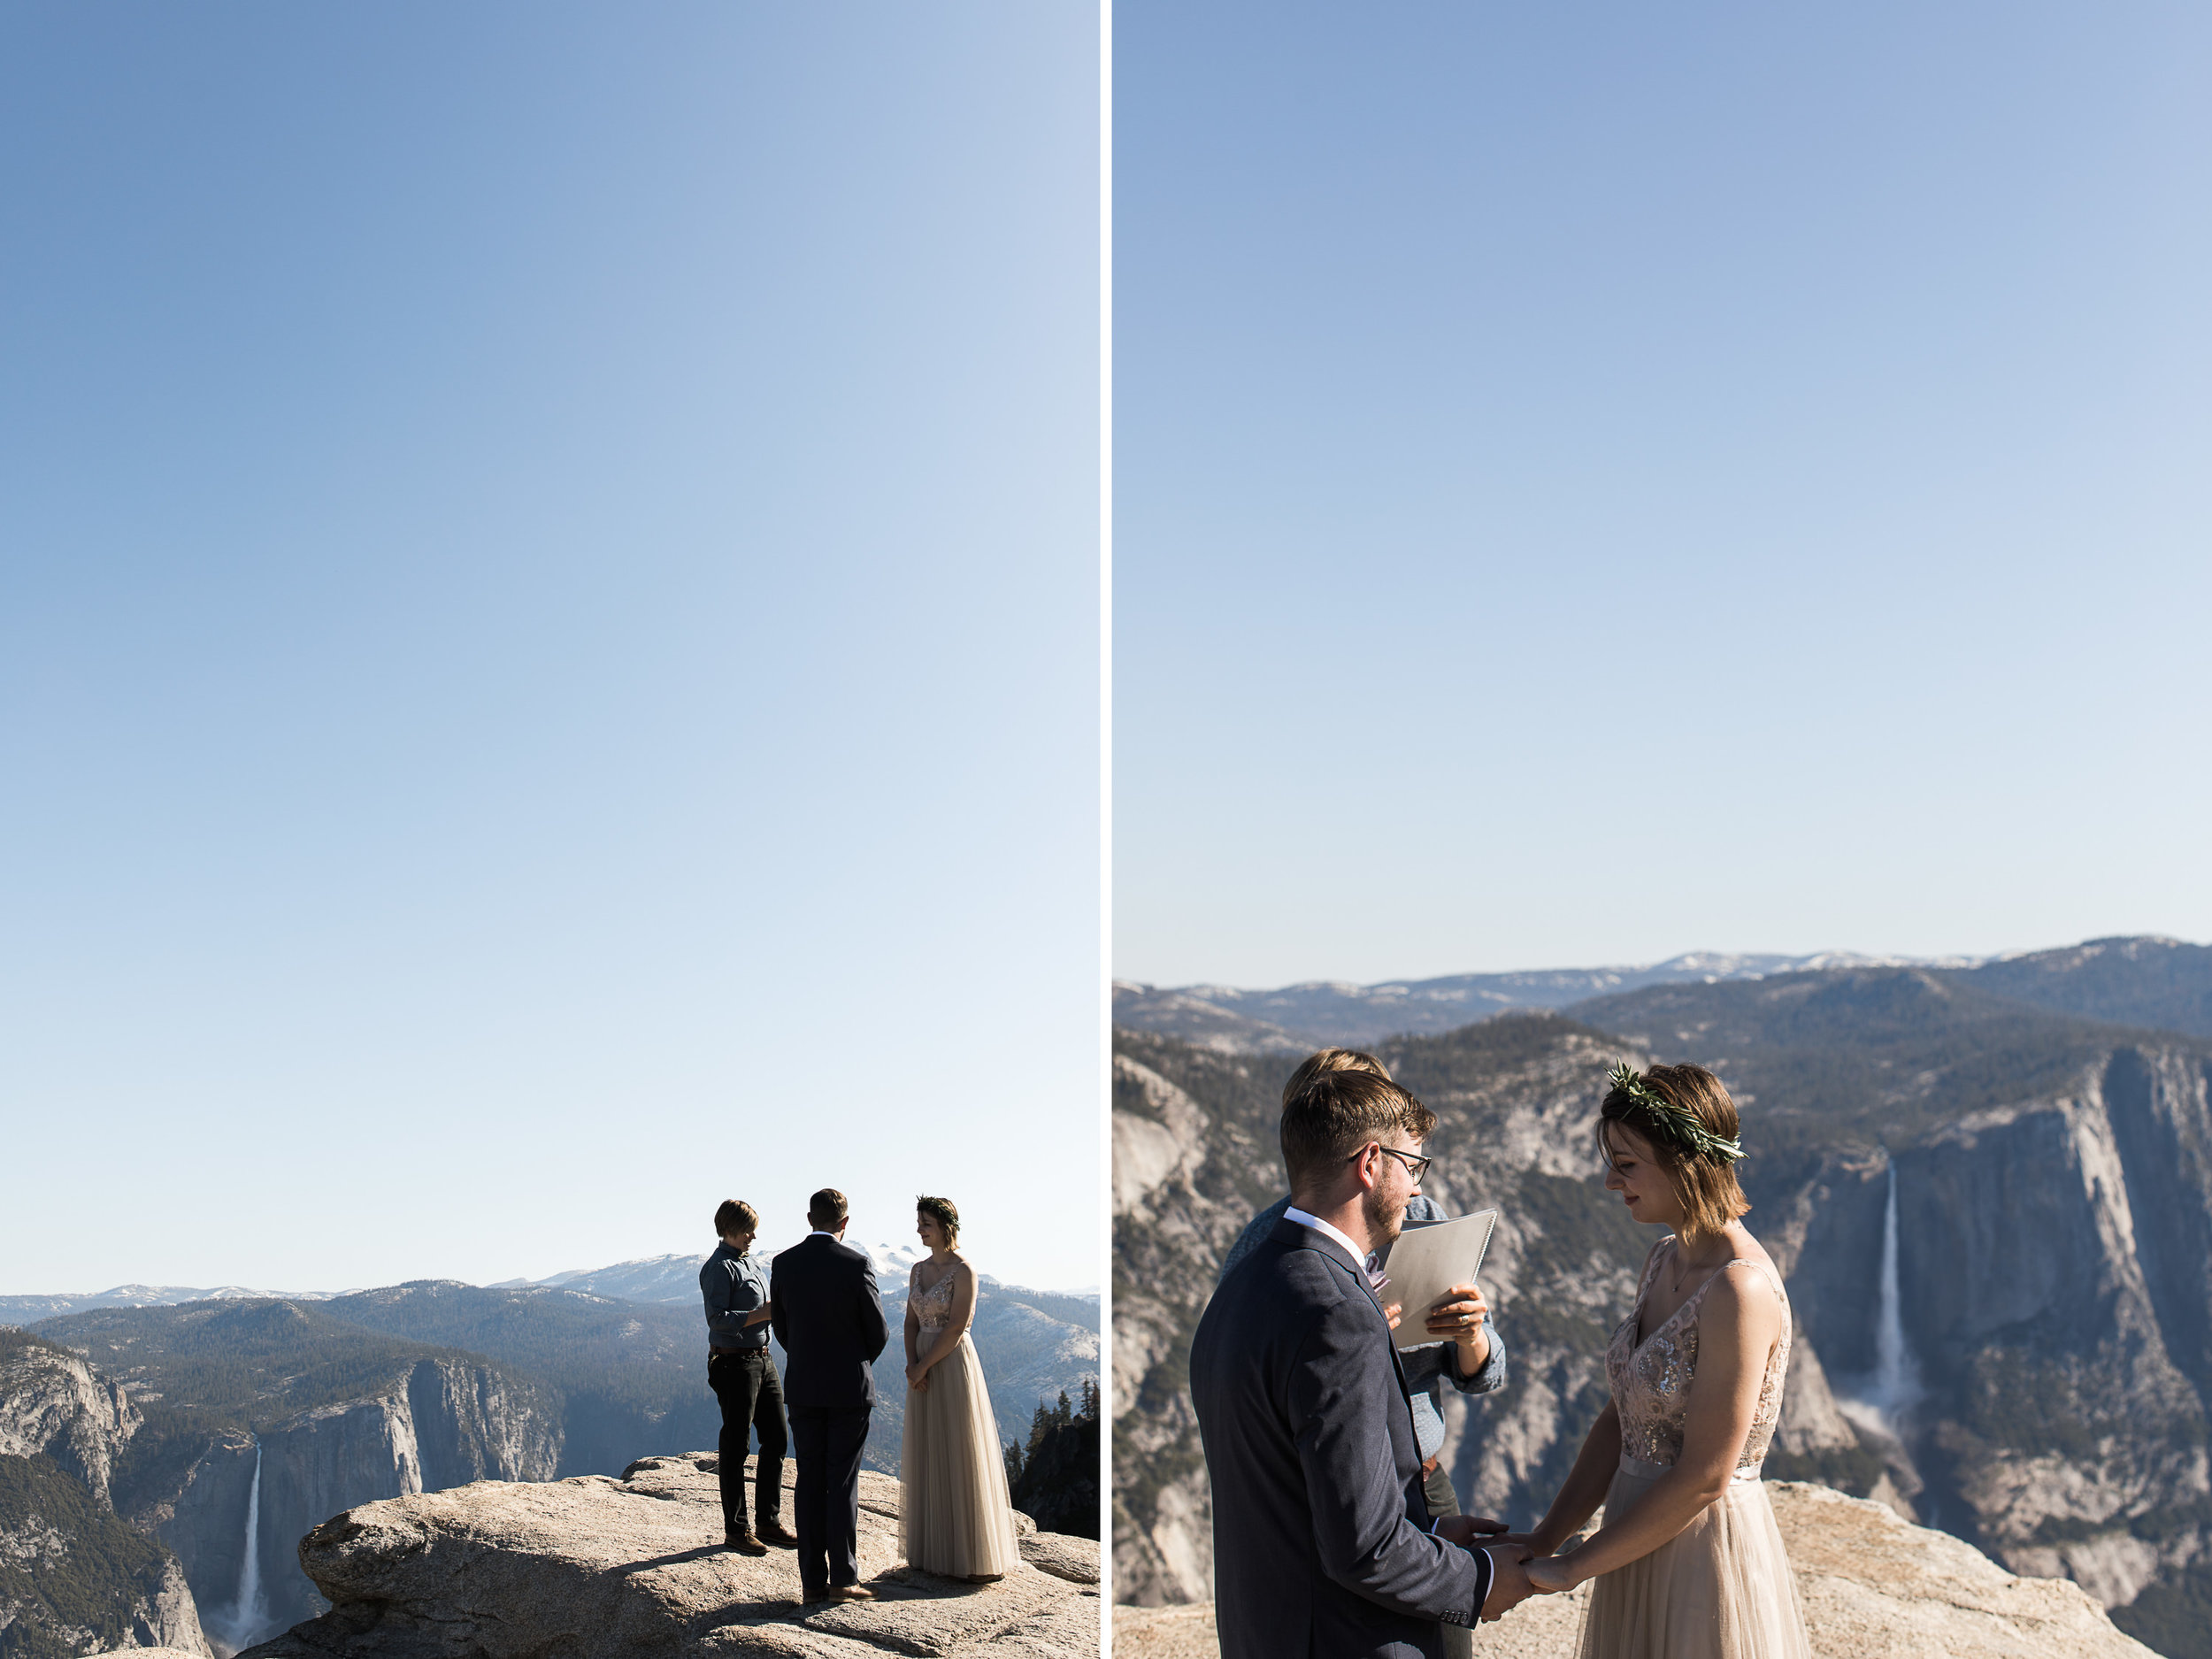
1428	1259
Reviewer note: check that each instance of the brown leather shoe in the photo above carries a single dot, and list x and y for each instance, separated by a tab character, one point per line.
743	1542
852	1593
772	1532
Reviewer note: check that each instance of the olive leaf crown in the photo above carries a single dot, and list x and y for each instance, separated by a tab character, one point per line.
1678	1124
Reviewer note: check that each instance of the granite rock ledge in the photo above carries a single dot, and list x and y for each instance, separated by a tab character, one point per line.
598	1568
1874	1587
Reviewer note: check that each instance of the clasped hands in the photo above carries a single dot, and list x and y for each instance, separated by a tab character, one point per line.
1519	1571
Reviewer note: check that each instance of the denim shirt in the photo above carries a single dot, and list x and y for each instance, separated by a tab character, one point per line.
1427	1368
733	1288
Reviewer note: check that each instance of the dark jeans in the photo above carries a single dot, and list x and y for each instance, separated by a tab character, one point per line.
752	1398
826	1506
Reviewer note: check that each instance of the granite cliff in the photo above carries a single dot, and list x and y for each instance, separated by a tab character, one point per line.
254	1421
74	1576
1872	1587
614	1567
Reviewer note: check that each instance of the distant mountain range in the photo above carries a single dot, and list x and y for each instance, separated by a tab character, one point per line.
649	1278
2161	983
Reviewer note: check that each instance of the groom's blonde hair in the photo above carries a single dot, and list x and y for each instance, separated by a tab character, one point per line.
1334	1103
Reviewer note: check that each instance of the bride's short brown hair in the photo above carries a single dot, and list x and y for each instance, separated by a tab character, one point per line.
1706	1184
941	1212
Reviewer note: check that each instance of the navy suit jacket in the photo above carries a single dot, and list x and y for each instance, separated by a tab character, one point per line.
1321	1541
828	1315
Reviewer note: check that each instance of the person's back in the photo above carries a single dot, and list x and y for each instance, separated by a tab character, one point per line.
1285	1329
829	1318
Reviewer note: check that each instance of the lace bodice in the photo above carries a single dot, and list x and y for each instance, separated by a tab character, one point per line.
932	1306
1651	1379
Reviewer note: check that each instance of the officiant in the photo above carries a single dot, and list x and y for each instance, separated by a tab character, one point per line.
1468	1353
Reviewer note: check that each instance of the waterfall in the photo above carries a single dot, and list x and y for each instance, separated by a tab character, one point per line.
1896	1378
249	1615
253	1612
1884	1396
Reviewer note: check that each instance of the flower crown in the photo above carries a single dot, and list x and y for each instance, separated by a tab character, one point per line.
1677	1124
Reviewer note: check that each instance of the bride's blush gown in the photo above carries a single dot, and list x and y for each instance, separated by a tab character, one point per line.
1721	1588
955	1516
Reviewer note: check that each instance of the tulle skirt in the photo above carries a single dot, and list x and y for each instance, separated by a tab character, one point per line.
1719	1589
955	1516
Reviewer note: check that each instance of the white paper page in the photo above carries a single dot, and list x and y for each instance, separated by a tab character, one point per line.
1428	1259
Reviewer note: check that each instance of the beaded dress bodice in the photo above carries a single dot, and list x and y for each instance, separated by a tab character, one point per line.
932	1305
1651	1379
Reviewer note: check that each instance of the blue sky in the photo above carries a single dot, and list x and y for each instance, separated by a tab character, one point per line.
548	634
1595	481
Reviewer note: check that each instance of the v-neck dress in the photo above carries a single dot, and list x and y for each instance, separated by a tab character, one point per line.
1721	1588
955	1514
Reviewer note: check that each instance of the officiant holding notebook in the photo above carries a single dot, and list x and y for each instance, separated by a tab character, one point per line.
1321	1445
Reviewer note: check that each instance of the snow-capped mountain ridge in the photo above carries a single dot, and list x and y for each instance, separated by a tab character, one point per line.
2140	979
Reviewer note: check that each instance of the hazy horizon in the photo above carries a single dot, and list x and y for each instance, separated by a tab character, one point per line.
1930	959
280	1292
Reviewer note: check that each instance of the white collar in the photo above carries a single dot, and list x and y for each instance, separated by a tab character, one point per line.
824	1233
1351	1250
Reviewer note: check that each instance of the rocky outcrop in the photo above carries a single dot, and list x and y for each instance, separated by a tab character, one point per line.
52	1402
633	1566
1873	1586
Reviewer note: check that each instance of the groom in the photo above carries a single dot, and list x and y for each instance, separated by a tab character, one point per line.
1323	1539
828	1315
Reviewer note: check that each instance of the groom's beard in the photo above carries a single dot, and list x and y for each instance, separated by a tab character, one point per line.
1384	1220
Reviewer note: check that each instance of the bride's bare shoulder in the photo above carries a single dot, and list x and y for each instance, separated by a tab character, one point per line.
1747	1290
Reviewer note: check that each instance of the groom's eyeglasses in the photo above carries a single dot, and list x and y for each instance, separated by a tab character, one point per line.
1415	1167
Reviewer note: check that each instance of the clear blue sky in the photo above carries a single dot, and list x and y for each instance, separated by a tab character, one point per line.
1598	481
547	633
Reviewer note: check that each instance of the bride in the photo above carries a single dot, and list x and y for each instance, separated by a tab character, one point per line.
1689	1564
955	1516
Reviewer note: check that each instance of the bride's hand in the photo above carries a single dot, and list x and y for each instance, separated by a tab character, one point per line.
917	1378
1549	1575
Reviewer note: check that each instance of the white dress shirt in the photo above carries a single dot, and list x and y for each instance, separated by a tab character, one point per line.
1353	1254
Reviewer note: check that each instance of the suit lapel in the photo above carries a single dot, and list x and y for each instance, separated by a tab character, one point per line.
1329	1250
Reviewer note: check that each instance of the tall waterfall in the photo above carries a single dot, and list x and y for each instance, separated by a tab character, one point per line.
1896	1378
249	1615
1884	1396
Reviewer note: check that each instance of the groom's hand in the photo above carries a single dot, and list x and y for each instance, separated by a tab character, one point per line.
1508	1580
